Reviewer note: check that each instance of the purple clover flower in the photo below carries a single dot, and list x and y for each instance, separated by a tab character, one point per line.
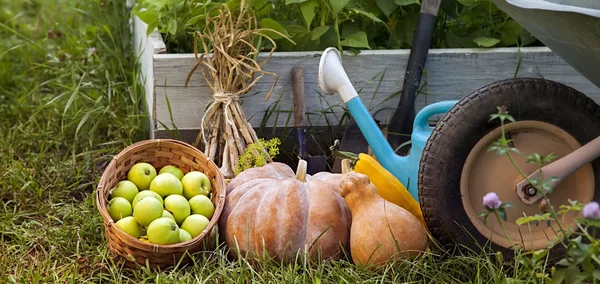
492	201
591	210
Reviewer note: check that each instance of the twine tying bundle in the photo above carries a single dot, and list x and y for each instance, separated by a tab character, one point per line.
219	98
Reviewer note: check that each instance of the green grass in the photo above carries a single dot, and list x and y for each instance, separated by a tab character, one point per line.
69	100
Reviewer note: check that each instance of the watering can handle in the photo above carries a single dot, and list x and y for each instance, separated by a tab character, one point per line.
421	120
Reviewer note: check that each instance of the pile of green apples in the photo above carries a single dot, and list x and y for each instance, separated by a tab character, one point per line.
161	208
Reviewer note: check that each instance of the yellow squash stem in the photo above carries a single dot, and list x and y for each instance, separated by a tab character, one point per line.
388	186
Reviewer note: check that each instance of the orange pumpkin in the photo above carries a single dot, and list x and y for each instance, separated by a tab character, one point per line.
274	211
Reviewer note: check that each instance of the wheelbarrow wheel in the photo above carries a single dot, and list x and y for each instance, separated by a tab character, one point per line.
458	169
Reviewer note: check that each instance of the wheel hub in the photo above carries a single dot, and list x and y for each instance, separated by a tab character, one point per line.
529	190
484	171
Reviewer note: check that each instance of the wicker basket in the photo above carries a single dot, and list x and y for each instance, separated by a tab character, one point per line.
159	153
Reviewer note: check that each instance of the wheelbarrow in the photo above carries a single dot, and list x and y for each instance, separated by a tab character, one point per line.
451	167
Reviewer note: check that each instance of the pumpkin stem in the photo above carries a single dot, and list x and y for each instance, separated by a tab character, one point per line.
301	171
346	166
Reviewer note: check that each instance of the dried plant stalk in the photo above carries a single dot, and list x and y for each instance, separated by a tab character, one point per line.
230	43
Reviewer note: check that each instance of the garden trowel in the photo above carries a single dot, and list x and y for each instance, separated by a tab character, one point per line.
315	164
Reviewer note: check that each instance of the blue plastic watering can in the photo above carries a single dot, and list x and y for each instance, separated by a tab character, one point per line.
333	78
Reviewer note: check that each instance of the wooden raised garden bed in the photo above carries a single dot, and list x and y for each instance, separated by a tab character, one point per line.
377	75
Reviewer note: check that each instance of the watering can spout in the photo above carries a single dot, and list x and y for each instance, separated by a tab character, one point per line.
333	77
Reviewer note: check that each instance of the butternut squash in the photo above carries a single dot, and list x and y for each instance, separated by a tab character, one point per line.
386	184
381	231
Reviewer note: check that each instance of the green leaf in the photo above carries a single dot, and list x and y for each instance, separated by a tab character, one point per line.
328	39
485	218
308	11
558	276
233	4
318	32
358	39
539	254
151	27
526	38
469	3
295	29
406	2
338	5
502	213
575	277
147	16
387	6
161	3
406	27
172	26
368	15
195	19
549	158
450	8
288	2
262	8
587	265
510	32
302	41
350	28
486	41
269	23
564	262
507	204
537	217
82	122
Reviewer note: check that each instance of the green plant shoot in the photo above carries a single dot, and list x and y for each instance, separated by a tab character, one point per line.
253	156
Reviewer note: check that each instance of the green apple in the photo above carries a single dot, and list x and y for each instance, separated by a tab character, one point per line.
130	226
147	210
195	224
201	204
172	170
125	189
141	174
167	214
145	193
119	208
163	231
184	236
166	184
178	206
195	183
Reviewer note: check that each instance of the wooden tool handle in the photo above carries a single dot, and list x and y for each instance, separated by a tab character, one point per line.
298	93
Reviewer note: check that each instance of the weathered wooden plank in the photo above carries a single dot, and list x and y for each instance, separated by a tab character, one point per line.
378	75
145	48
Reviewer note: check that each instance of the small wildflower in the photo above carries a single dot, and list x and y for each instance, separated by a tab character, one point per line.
92	50
492	201
543	206
62	56
54	33
591	210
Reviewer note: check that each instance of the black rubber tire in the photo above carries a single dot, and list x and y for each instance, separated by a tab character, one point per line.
467	122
